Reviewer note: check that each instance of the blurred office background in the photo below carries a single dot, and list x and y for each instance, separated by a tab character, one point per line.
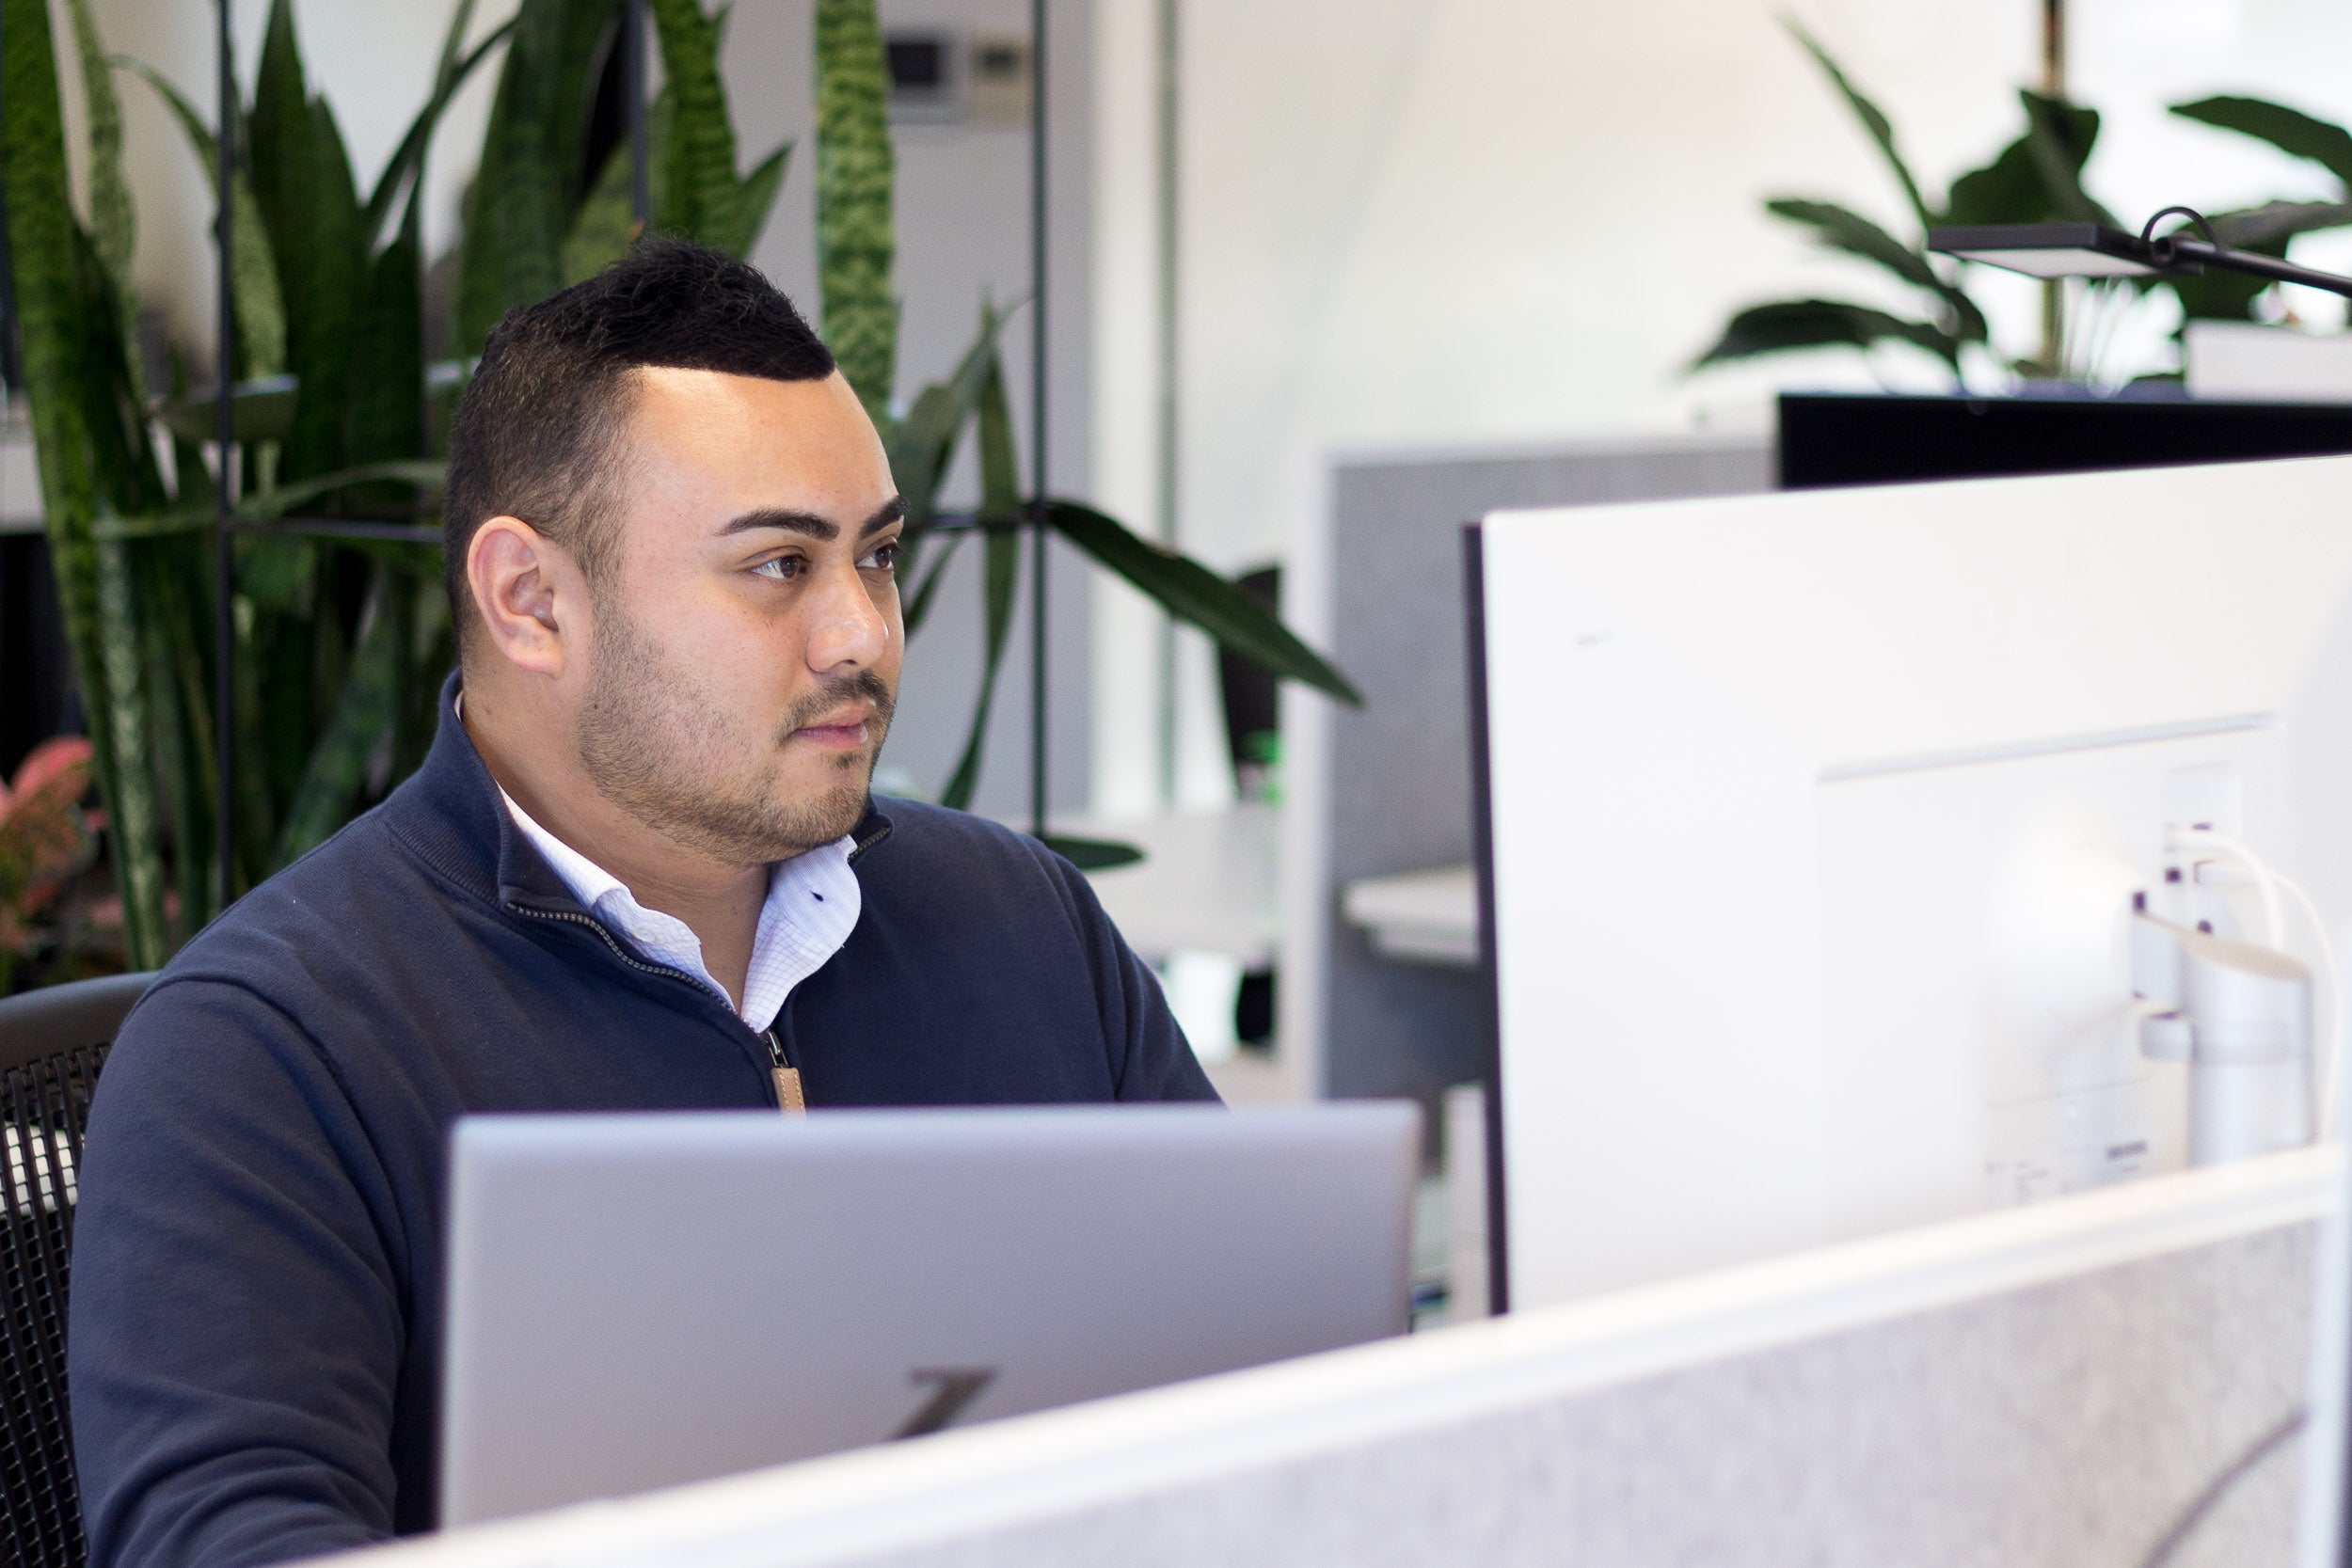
1324	254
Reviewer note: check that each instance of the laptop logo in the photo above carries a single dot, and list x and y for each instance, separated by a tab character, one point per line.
953	1389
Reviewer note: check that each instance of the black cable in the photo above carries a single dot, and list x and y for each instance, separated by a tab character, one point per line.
2148	229
2218	1488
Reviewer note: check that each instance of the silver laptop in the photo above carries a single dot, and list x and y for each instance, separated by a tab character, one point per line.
641	1300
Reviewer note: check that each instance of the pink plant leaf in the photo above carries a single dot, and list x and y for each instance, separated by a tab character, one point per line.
47	761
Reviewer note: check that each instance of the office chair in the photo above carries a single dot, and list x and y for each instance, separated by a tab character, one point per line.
51	1042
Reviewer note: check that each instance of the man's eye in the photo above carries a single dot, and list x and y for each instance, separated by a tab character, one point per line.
783	568
882	558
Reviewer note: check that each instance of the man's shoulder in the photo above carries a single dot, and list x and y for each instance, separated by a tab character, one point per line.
343	904
933	842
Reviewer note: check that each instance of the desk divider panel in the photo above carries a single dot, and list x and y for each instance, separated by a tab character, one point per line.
2050	1386
1391	780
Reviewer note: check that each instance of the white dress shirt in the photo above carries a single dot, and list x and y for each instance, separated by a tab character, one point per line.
813	902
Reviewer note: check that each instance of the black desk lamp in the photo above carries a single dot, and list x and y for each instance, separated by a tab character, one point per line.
2095	250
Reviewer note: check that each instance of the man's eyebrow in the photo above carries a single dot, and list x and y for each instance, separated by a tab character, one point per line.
892	511
793	521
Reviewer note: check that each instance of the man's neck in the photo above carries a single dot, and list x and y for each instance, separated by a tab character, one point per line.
718	902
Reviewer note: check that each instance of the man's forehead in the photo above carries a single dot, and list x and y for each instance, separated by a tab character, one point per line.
720	447
684	389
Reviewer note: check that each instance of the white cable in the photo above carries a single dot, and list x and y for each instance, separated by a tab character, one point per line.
2331	1058
2265	880
2333	1053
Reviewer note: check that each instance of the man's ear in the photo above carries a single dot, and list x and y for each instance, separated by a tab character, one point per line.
526	590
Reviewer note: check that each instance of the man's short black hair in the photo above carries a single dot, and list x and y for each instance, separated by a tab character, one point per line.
537	432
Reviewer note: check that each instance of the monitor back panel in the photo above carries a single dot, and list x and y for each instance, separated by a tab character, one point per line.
1815	819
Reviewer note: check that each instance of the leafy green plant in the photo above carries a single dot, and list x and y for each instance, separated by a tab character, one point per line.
335	637
2036	178
2268	227
339	627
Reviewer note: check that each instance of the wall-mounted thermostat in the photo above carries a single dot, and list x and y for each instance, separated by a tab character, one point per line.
998	69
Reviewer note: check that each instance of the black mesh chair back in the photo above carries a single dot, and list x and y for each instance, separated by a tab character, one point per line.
52	1043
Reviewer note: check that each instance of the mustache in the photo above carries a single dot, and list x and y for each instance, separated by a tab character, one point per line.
832	694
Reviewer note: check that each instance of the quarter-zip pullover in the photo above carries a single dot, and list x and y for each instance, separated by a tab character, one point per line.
255	1342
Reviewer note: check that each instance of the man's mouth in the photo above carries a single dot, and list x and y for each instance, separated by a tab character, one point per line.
843	730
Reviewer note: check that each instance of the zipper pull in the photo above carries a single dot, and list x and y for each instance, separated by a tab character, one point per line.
787	1078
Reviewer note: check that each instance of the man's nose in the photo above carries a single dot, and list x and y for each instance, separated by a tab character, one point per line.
846	627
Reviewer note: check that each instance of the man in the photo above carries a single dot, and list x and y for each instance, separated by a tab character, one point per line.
640	870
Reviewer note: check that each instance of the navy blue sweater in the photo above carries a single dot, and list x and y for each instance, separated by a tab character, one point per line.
255	1342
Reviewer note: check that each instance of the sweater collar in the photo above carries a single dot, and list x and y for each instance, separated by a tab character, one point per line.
449	811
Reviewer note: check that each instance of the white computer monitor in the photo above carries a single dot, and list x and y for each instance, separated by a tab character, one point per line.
1812	821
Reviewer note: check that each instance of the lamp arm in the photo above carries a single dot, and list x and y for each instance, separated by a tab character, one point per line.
2176	250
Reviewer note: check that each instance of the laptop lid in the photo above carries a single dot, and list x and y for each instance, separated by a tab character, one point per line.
641	1300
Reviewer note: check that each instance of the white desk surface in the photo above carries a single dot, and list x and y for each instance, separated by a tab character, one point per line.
1208	881
1427	917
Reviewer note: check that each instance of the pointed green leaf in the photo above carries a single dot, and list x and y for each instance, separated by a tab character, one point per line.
855	243
919	608
2007	190
2289	130
2218	294
606	225
259	410
2060	137
2276	221
1000	488
385	415
1001	578
252	268
701	157
384	406
409	156
1873	120
1852	233
113	227
181	719
337	765
754	198
1193	594
521	206
132	815
64	382
1856	235
1092	854
1802	324
272	506
921	444
315	233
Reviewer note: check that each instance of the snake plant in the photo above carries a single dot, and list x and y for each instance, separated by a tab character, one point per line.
339	630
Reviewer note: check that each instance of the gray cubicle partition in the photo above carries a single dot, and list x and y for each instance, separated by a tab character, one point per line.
1398	776
2110	1378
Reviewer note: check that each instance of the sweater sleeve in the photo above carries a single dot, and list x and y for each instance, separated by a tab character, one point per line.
1151	1059
235	1330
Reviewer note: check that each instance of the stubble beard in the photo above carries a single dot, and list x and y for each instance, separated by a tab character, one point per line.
655	744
